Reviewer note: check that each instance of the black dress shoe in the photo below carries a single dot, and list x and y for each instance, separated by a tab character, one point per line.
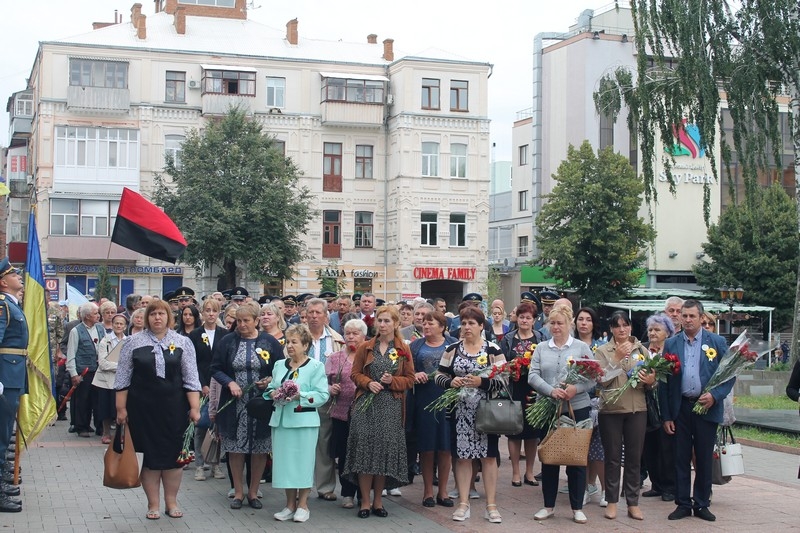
534	483
71	429
445	502
651	493
9	478
668	497
429	502
9	489
380	511
680	512
704	514
538	477
363	513
7	505
516	483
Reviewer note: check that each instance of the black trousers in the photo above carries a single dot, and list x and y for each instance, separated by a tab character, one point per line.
659	456
83	404
576	477
693	432
339	434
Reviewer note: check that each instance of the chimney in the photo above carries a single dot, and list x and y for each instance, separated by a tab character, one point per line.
372	38
291	31
180	20
141	29
388	49
136	12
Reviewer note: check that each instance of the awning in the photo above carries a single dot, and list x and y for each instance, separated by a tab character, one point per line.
353	76
658	305
229	68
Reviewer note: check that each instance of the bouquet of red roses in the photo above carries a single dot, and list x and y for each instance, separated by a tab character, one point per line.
451	396
662	366
744	351
545	412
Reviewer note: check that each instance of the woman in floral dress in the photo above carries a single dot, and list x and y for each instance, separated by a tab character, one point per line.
457	369
376	447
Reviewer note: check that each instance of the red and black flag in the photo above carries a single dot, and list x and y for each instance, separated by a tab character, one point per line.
142	227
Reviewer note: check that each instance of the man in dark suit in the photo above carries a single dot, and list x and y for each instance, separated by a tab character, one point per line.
700	353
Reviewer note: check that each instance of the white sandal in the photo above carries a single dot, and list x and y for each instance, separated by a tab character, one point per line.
493	516
462	513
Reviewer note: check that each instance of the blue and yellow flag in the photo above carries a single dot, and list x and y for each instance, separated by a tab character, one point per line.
37	408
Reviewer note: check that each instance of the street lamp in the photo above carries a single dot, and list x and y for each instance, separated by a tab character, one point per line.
730	296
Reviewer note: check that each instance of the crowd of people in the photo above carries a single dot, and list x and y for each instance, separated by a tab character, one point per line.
348	382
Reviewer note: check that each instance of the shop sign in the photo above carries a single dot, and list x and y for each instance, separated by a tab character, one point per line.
457	273
52	269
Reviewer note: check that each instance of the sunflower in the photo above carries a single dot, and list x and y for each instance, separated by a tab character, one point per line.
711	353
482	360
263	354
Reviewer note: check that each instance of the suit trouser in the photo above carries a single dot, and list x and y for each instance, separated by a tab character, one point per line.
659	456
616	430
324	466
9	402
84	403
693	432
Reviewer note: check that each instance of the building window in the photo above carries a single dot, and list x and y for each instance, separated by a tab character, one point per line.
522	199
276	92
23	105
363	161
172	149
430	93
352	90
523	155
94	73
87	218
458	160
430	159
229	82
332	234
97	147
175	87
217	3
280	146
362	285
458	229
363	229
606	131
332	167
459	95
428	228
522	246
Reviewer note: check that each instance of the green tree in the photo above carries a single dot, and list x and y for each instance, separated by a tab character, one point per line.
103	288
746	51
237	200
336	284
754	245
590	234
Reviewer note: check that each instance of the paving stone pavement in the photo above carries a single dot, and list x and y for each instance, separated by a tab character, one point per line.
62	492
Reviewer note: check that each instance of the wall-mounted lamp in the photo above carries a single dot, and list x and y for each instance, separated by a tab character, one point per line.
596	35
672	255
699	255
624	37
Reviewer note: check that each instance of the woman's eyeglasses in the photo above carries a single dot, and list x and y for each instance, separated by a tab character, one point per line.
705	323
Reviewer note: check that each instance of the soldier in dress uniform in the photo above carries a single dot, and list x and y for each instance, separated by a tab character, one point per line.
185	297
13	354
290	309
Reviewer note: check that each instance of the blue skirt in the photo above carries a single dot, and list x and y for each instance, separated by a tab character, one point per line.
293	454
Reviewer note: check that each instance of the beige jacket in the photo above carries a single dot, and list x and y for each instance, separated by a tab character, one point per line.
632	400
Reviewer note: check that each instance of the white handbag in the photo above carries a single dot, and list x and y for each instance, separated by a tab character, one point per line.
730	454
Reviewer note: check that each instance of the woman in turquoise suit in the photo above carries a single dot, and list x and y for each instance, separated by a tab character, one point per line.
295	422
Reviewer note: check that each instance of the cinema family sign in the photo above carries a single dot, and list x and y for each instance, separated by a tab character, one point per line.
456	273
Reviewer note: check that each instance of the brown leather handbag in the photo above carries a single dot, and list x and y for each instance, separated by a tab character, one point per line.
121	467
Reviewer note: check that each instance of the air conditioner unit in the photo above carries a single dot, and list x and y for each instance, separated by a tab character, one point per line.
193	84
389	99
29	179
510	261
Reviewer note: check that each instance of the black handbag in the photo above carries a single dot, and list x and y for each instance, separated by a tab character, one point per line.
260	408
654	421
499	416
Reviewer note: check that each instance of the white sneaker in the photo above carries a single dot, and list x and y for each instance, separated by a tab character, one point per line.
564	490
259	494
473	494
578	517
544	514
592	490
453	494
395	492
603	502
217	472
285	514
199	474
383	493
586	497
231	493
301	515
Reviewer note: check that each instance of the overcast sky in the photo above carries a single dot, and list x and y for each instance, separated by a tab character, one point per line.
499	32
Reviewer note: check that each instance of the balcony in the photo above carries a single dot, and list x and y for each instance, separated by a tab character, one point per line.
336	113
98	99
19	131
219	104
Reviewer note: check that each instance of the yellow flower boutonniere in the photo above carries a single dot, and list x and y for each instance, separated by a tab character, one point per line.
570	360
294	376
263	354
204	336
711	353
171	348
482	360
393	355
282	341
